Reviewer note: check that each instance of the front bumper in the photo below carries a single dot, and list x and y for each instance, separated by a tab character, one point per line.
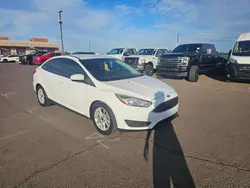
238	71
137	118
181	71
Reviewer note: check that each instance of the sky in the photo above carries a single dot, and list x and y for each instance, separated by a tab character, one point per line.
107	24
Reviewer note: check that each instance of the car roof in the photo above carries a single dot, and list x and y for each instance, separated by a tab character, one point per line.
88	56
244	36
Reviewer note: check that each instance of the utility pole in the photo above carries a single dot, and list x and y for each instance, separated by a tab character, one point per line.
89	46
60	25
178	39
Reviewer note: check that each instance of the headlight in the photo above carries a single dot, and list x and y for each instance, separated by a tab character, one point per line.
231	60
185	60
132	101
142	61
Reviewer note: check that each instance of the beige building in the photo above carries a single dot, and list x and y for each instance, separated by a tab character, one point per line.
24	47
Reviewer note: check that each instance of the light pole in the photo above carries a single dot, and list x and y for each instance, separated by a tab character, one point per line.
178	39
89	46
60	25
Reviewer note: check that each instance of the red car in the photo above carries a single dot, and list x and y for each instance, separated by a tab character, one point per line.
38	60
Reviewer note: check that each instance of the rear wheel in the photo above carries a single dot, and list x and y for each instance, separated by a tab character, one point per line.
29	62
5	61
149	70
193	74
42	97
103	118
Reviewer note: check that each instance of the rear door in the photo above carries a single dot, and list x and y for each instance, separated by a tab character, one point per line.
52	79
206	62
73	94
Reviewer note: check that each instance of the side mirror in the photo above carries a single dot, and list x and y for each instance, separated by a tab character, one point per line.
230	51
77	77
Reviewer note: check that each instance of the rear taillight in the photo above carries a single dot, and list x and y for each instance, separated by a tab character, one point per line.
34	71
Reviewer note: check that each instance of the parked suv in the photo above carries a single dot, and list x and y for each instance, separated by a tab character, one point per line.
38	60
28	59
189	60
146	59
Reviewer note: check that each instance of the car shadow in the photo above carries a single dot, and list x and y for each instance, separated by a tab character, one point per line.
169	165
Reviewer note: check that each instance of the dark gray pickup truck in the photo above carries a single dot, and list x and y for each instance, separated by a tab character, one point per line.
189	60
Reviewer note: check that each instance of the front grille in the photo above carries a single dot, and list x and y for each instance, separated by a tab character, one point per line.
169	61
244	68
166	105
132	61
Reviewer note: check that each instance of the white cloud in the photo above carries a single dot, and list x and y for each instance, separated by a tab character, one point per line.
126	9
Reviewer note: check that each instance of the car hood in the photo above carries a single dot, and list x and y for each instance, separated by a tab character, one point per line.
140	56
242	59
143	87
115	55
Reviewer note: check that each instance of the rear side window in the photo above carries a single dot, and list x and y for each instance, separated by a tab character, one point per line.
66	67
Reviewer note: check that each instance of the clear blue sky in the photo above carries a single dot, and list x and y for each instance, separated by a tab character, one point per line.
116	23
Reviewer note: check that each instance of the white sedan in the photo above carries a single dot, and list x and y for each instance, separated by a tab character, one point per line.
105	89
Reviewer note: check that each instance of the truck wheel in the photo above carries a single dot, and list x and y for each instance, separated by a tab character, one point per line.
193	74
29	62
149	70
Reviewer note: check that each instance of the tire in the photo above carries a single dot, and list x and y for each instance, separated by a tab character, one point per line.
43	100
193	74
29	62
149	70
109	128
5	61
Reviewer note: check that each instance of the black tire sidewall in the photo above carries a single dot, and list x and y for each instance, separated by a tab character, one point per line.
192	73
149	66
113	125
46	100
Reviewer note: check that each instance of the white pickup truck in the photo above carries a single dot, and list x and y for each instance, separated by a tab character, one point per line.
145	60
121	53
9	58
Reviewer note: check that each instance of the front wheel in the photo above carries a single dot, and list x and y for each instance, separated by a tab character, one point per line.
149	70
193	74
103	118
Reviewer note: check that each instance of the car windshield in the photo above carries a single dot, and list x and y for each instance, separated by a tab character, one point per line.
186	48
116	51
242	48
109	69
146	52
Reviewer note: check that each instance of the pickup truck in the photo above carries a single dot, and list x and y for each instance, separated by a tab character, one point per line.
189	60
28	59
146	59
120	53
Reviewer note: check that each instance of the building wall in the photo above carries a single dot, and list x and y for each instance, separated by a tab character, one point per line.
19	47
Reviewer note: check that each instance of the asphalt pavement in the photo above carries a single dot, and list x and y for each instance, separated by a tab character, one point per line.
206	146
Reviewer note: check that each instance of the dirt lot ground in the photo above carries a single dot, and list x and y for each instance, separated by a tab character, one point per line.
206	146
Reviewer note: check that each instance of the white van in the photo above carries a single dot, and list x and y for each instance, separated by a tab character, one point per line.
238	65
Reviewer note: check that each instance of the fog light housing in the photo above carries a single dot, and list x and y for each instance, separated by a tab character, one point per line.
132	123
